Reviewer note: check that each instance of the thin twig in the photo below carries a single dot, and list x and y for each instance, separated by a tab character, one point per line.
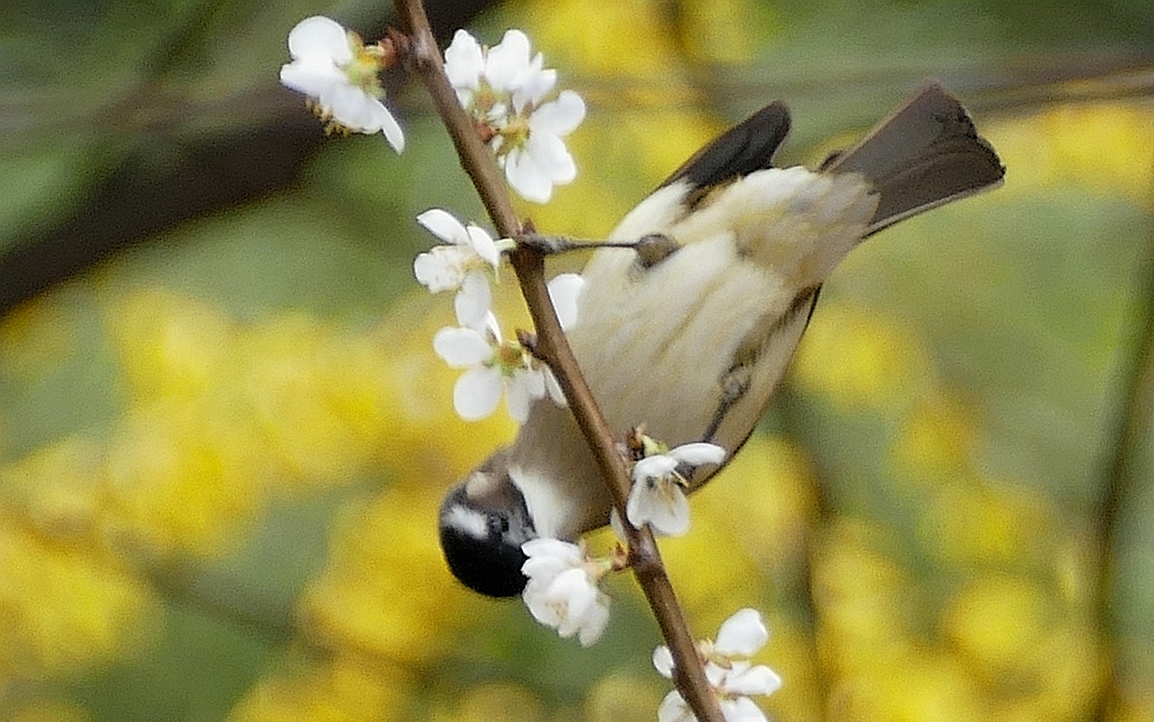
818	526
528	264
1121	480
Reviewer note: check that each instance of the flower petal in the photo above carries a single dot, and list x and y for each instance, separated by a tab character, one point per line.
742	634
553	389
674	709
351	108
653	467
663	661
596	621
461	347
482	243
541	605
439	269
477	393
669	515
698	453
565	292
527	178
443	225
560	116
491	326
473	301
524	388
662	505
746	679
320	37
508	61
715	674
741	709
533	84
390	128
573	589
464	61
311	77
554	548
552	157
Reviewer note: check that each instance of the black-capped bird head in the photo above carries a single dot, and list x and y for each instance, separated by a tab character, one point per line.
483	522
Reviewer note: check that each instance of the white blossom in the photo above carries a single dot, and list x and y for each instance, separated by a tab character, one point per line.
562	592
536	158
493	365
502	88
339	73
658	497
733	680
465	265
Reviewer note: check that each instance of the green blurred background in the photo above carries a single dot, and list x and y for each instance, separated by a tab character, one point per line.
224	435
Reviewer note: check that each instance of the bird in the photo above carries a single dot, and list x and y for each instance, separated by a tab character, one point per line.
690	332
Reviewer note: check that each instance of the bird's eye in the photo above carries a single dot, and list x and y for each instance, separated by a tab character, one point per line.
498	524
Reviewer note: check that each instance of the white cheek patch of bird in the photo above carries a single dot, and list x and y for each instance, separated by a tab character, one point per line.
690	333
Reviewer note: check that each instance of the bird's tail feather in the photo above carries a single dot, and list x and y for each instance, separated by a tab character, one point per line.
923	155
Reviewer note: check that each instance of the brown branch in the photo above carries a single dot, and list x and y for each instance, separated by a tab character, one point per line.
529	265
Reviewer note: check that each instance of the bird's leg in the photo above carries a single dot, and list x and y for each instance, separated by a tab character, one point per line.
651	248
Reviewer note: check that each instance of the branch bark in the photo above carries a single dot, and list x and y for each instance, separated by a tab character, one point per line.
529	266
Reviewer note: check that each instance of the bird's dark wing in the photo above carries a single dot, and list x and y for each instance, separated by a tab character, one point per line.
746	147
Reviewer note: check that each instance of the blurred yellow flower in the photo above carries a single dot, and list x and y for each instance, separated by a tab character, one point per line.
386	591
997	620
935	441
488	702
623	697
1107	148
168	344
425	442
344	688
975	522
865	601
857	359
609	46
927	685
749	525
63	607
718	32
180	480
58	489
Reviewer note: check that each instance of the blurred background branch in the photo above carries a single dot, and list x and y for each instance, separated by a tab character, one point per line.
1124	478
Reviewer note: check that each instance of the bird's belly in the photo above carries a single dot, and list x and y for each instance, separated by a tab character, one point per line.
656	347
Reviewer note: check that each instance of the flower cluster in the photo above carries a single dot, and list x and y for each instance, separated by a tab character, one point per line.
733	679
658	494
492	363
339	73
502	88
563	592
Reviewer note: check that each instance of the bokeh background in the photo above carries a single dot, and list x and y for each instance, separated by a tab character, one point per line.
224	435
